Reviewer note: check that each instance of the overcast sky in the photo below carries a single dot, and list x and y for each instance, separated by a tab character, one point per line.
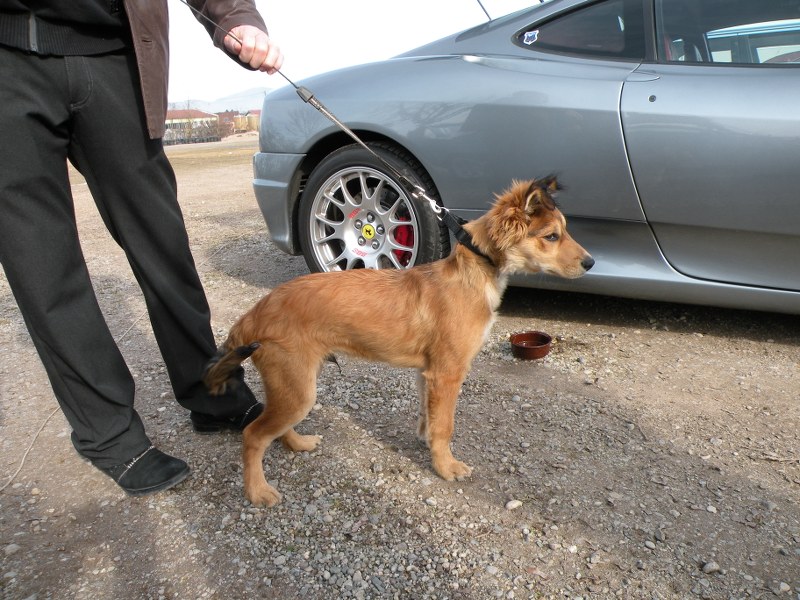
316	36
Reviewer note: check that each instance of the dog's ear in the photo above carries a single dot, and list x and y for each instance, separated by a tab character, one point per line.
551	184
540	194
510	217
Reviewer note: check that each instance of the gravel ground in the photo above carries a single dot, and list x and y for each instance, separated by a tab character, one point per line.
655	453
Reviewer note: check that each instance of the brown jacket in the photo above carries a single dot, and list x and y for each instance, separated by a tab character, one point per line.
150	28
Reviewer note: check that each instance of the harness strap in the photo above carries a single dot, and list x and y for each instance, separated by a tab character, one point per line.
454	224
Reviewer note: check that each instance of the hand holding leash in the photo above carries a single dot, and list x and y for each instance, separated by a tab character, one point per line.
255	48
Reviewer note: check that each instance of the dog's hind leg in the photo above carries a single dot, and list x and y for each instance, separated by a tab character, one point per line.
300	443
256	438
443	386
306	443
290	397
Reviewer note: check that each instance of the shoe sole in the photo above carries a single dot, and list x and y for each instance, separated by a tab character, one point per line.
205	424
208	429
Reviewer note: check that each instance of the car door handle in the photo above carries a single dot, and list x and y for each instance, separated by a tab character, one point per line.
642	76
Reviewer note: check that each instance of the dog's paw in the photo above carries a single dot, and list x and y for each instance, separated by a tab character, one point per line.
263	496
422	431
301	443
453	470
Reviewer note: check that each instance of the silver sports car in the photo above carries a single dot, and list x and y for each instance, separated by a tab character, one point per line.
674	126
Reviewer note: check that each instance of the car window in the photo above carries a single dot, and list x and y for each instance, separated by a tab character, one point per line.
609	29
729	31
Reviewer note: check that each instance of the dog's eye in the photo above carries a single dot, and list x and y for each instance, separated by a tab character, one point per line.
553	237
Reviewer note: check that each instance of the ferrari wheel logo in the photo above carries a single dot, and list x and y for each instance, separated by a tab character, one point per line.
368	231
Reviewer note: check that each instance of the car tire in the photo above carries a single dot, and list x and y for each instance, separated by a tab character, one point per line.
354	213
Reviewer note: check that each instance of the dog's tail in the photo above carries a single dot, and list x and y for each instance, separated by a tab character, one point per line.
221	369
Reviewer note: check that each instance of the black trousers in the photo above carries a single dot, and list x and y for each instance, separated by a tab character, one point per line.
88	110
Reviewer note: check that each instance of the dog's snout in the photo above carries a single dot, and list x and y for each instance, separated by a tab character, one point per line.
587	263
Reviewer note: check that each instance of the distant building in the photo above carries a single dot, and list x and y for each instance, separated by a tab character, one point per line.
248	121
253	119
190	125
227	122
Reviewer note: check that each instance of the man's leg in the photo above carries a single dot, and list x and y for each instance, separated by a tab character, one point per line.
42	258
134	186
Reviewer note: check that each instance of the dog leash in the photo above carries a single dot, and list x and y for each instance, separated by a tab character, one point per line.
452	222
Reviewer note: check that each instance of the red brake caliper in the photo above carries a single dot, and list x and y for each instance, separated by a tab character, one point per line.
404	235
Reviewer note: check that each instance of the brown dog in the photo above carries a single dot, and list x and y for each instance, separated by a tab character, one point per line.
442	314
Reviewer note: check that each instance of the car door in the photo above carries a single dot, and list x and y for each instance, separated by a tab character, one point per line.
560	106
713	135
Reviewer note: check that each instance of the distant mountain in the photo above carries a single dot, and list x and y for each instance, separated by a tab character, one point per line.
241	101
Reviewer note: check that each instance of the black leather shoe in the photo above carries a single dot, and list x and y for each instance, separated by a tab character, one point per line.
203	423
152	471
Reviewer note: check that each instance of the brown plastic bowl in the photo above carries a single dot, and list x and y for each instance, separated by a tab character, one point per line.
530	345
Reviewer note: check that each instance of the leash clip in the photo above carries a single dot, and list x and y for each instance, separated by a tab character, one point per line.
419	193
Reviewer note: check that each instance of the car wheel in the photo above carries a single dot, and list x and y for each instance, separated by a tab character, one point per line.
355	214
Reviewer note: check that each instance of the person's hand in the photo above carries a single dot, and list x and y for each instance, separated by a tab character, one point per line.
256	49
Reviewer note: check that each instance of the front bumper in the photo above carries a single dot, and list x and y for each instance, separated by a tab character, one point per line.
272	183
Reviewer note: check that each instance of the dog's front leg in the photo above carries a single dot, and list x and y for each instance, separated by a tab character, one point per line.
442	393
422	422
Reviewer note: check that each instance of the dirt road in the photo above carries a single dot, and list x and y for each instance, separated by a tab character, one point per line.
654	454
